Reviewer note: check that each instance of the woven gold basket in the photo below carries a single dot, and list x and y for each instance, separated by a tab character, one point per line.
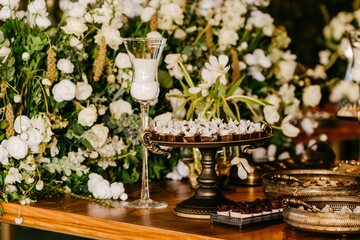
334	222
273	188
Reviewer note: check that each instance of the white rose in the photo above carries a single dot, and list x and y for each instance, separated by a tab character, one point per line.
34	137
97	135
271	114
21	124
64	91
75	26
312	95
117	188
65	65
25	56
4	156
93	179
122	61
42	22
16	147
112	37
4	51
102	190
147	13
5	13
83	91
119	107
87	116
287	128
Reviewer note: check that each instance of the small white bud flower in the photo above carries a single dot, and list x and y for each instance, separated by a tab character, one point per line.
25	56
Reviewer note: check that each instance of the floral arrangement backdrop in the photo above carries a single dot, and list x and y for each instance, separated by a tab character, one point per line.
69	124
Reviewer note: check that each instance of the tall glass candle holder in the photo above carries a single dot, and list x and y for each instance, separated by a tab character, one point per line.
144	55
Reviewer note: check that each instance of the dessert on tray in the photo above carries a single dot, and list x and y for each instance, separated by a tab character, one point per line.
207	131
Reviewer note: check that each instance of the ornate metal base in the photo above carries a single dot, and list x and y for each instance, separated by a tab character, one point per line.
208	195
199	208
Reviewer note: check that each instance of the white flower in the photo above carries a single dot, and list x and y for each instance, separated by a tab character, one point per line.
173	66
287	93
102	189
4	51
271	114
176	102
147	13
4	156
258	58
227	37
42	22
46	82
112	37
34	139
122	61
307	125
119	107
39	185
117	188
216	68
163	118
182	169
273	100
17	98
13	176
87	116
75	42
5	13
16	147
123	197
25	56
21	124
65	65
312	95
83	91
75	26
287	128
64	90
93	180
286	70
97	135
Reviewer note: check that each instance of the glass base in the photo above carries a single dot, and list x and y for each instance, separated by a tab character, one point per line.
139	203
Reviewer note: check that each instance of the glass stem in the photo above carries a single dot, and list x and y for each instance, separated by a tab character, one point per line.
145	191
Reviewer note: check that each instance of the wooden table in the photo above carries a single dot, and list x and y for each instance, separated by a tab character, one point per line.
86	219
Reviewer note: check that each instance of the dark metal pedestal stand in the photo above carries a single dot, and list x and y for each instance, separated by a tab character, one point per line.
208	195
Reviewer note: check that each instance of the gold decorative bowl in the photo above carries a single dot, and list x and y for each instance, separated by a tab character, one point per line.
330	222
272	187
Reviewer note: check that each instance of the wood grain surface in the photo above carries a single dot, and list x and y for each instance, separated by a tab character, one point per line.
86	219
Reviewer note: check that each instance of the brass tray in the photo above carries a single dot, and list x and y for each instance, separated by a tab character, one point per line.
332	222
272	188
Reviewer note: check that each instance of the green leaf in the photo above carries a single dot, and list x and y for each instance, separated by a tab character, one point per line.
222	90
77	128
248	100
228	110
3	124
2	136
186	75
165	79
86	144
1	210
235	86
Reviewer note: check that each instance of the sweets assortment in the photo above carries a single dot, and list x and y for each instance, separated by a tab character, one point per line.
244	209
328	209
207	131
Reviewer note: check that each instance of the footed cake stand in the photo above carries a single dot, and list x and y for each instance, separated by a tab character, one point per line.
208	195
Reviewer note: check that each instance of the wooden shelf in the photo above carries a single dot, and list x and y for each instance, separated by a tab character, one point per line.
86	219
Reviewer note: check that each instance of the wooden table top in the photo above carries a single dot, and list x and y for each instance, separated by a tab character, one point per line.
86	219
